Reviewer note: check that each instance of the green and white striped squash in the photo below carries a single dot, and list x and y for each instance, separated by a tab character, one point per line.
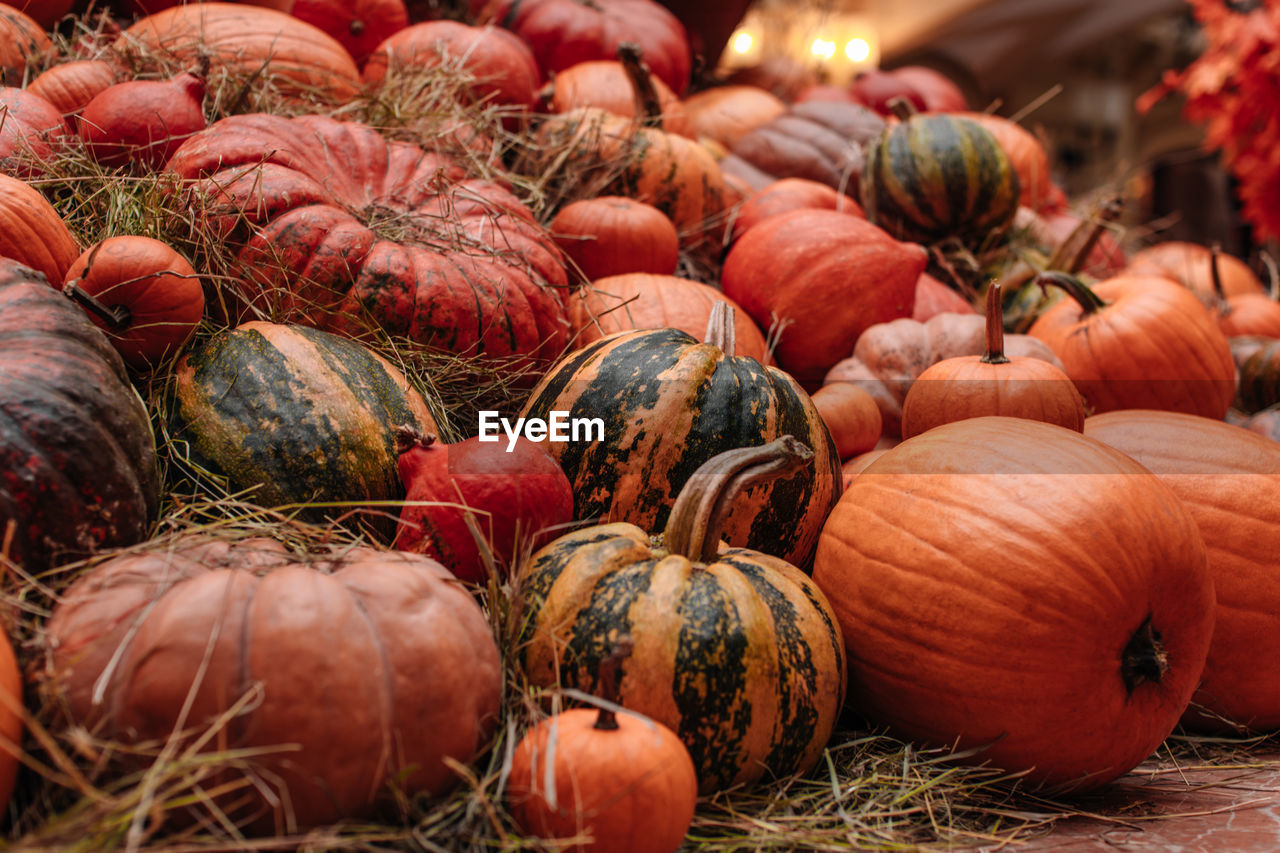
935	176
669	403
295	414
737	652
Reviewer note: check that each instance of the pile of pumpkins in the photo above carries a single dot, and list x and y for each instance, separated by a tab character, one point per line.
822	479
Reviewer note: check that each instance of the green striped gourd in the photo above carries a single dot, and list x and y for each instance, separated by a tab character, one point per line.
737	652
296	414
669	403
934	176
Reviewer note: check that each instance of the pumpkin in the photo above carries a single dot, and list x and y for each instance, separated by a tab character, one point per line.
32	232
10	718
77	456
72	85
358	25
619	778
1083	244
499	67
934	298
158	643
295	414
1260	378
938	92
509	495
669	402
563	33
30	127
295	56
734	650
818	141
888	357
336	227
852	416
935	176
828	276
1027	156
605	84
142	121
22	39
142	293
612	235
855	465
790	194
1056	624
623	303
1243	314
991	384
877	89
726	113
1191	264
1134	342
785	77
1229	480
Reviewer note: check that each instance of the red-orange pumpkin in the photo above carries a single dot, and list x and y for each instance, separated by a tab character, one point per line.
605	84
358	25
32	233
790	194
726	113
1191	264
142	121
612	235
22	39
72	85
30	127
934	298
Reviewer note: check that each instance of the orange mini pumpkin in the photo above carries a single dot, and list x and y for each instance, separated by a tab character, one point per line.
852	416
612	235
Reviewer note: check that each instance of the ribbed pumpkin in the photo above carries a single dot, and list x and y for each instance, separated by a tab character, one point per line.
1229	480
297	57
72	85
31	231
1191	264
354	670
295	414
358	25
1026	155
77	457
934	176
1134	342
735	651
669	403
1020	589
21	40
339	228
604	84
1242	314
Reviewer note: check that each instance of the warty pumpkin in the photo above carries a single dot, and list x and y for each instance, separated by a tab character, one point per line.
736	651
1056	622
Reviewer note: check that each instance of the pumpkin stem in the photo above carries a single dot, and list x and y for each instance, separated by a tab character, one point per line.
902	108
648	107
1091	229
704	503
608	679
995	328
408	438
720	329
1144	657
1088	301
1215	275
115	317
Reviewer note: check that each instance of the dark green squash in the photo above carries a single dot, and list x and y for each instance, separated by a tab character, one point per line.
669	403
737	652
77	455
297	415
935	176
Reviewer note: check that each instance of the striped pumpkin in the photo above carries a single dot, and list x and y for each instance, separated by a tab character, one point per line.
669	403
935	176
296	414
737	652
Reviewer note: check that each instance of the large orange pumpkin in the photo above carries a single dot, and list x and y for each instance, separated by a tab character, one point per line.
32	232
1017	588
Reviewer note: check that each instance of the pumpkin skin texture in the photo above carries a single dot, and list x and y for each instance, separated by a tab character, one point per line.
933	298
518	497
829	275
1026	155
1191	265
604	84
343	230
77	456
935	176
31	231
142	121
30	128
612	235
358	25
624	303
735	651
10	722
72	85
300	414
161	296
1229	480
223	616
1139	343
1062	636
669	403
22	38
790	194
631	788
726	113
851	415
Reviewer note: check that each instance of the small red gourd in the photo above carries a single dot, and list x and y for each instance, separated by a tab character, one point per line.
619	778
143	121
991	384
509	495
142	293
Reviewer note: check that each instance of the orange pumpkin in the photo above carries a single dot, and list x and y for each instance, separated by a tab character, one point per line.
22	39
30	129
612	235
72	85
1191	265
991	384
604	84
358	25
32	233
933	298
1027	156
790	194
142	121
852	416
1229	480
1056	621
725	113
1243	314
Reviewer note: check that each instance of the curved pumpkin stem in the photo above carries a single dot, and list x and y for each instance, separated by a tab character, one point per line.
648	106
995	328
902	108
1144	658
1215	275
1089	302
116	318
720	329
699	513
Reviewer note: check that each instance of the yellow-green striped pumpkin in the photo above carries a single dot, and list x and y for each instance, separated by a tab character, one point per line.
935	176
296	414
